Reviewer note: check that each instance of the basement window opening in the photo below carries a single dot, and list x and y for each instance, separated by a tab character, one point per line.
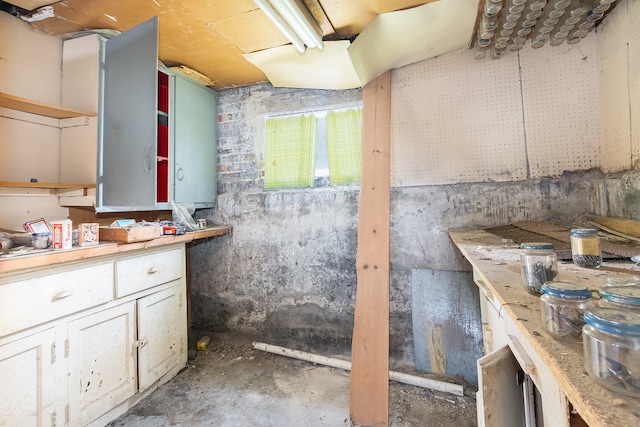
313	148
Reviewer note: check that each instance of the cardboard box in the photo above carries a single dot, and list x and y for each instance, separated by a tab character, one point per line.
61	234
130	234
37	226
88	233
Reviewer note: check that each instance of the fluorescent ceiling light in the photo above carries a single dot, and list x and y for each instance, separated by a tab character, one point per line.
294	20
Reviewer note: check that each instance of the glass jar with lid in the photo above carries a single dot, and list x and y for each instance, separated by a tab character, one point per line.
623	280
611	349
538	264
563	305
621	297
585	247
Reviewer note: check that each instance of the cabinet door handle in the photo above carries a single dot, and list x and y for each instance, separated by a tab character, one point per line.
147	162
61	294
180	174
152	270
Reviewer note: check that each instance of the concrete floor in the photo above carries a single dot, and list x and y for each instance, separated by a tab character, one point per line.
231	384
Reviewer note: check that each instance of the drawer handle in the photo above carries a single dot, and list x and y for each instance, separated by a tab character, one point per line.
152	270
62	294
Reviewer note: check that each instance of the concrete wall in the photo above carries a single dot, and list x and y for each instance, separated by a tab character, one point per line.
287	273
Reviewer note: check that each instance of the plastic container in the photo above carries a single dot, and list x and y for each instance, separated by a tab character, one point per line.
563	305
611	349
621	297
585	247
538	264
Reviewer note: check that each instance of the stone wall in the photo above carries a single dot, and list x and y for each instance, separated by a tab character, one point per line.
286	275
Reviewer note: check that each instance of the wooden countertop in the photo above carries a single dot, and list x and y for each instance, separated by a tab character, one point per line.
497	263
49	257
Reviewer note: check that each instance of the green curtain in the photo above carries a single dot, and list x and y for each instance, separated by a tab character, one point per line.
290	152
343	141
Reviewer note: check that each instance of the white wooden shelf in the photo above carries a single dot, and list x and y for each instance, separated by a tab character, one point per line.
46	185
40	108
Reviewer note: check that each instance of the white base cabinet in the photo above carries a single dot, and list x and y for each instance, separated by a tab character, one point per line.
90	366
101	362
28	396
515	388
161	318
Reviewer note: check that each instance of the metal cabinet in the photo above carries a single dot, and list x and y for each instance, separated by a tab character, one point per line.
127	140
195	156
156	130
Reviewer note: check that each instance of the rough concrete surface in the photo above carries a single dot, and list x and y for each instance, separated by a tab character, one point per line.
231	384
287	272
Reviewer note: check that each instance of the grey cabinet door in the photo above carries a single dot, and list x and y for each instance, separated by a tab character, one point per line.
194	145
127	142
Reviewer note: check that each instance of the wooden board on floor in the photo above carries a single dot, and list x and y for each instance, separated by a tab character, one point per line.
369	405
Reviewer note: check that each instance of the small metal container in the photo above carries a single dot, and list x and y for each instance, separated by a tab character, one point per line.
562	307
538	264
611	349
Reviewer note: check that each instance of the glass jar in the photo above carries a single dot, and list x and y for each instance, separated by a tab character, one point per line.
41	240
611	349
563	305
585	247
621	297
492	7
623	280
538	264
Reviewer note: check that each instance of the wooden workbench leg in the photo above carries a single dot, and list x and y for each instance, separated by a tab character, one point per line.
369	404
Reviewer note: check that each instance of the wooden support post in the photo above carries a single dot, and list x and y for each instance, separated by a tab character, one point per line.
369	405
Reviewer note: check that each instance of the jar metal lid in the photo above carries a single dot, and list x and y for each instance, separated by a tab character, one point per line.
622	294
536	245
567	290
586	231
614	321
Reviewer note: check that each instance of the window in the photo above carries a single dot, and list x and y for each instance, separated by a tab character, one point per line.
300	148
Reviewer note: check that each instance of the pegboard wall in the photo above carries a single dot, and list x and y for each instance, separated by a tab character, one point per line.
634	78
560	100
534	114
613	57
455	119
618	46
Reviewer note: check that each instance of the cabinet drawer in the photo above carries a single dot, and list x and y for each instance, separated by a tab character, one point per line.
142	272
29	301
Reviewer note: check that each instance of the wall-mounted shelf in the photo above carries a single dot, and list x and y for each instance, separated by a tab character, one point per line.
40	108
46	185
